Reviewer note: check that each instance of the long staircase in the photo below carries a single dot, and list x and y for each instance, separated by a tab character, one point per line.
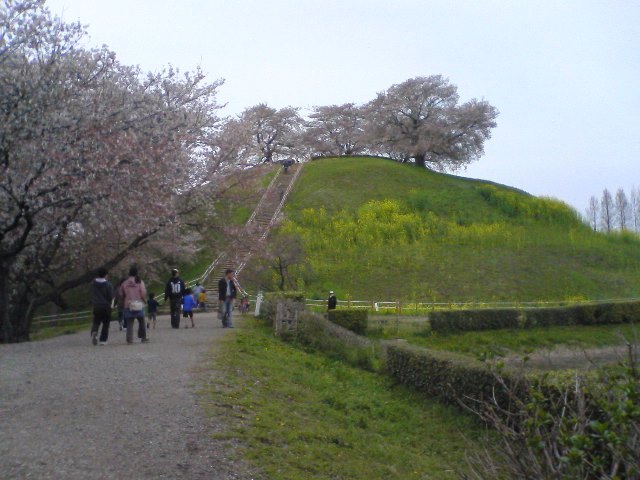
255	230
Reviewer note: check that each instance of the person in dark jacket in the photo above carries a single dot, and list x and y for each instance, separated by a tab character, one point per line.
332	302
174	292
101	298
226	294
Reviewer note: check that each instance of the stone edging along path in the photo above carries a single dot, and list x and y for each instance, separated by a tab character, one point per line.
72	410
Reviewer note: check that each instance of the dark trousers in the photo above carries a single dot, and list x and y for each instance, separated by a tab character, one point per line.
142	328
175	311
101	315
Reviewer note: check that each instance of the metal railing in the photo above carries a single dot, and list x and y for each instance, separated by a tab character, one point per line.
282	201
264	196
60	319
409	306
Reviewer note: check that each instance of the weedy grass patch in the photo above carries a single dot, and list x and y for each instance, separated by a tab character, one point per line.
300	414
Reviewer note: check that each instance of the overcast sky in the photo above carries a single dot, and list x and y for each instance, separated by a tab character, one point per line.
565	75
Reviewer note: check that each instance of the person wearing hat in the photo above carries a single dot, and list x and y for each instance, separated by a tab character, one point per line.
332	301
174	292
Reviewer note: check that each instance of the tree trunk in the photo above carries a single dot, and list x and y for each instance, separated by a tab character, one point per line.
281	272
420	160
16	312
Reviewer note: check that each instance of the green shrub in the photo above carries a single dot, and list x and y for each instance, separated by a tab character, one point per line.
270	301
583	427
549	316
447	376
595	314
622	312
354	320
493	319
465	320
336	341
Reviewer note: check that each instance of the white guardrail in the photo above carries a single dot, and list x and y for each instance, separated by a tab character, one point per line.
376	306
408	306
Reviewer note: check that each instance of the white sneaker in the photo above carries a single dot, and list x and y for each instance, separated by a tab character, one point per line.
102	343
94	338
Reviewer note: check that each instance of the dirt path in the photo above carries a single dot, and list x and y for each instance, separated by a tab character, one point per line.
74	411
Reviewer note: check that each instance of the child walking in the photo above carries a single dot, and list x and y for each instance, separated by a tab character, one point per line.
202	300
188	304
152	309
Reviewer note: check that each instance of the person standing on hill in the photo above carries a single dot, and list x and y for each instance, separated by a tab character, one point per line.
174	292
332	302
226	294
101	297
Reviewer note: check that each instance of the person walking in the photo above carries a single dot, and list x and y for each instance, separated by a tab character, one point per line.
332	301
118	304
197	290
152	310
226	294
188	304
101	298
202	300
174	291
133	294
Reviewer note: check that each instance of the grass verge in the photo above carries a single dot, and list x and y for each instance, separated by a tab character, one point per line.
498	343
44	333
300	414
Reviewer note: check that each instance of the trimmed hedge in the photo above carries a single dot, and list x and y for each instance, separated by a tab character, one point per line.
354	320
270	302
449	377
465	320
595	314
493	319
317	332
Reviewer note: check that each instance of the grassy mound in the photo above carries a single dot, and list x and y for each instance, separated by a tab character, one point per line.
377	229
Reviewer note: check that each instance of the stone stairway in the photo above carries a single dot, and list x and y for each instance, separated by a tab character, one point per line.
256	229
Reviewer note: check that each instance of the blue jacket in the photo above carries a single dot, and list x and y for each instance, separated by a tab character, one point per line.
188	303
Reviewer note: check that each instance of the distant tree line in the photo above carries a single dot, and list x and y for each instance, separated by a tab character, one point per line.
614	212
418	121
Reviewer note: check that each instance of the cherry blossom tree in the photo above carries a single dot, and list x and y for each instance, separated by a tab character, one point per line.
96	158
268	134
420	120
336	130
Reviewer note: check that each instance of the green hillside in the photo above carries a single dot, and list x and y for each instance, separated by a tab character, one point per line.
377	229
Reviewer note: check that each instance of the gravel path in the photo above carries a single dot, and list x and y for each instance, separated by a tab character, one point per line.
74	411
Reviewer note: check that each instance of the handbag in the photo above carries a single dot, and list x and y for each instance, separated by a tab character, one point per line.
136	305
